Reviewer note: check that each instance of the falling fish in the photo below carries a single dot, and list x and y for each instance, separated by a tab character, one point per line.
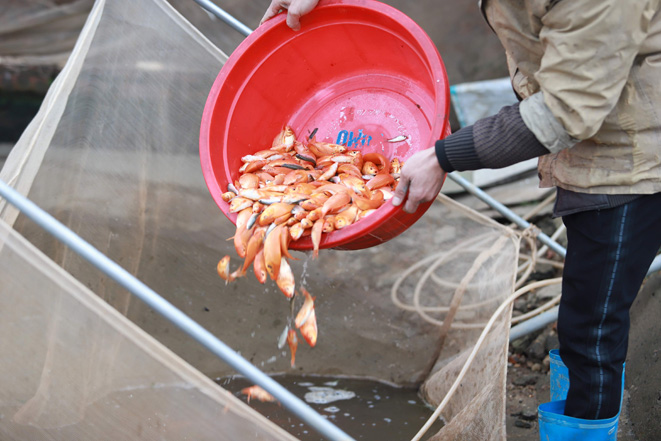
309	329
306	320
257	393
306	310
399	138
223	268
292	341
285	280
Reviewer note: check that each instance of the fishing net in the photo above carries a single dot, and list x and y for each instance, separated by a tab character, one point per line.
73	368
113	154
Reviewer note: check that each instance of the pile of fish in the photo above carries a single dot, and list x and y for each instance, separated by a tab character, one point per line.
296	189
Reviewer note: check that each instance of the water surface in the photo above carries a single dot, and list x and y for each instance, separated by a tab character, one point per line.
364	409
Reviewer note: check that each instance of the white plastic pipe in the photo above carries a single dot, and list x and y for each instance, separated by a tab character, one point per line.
534	324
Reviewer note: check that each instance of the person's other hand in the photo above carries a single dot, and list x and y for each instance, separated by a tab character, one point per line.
422	177
295	10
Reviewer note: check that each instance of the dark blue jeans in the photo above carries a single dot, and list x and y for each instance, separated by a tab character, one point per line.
608	255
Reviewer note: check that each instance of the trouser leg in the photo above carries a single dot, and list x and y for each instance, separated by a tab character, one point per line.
608	255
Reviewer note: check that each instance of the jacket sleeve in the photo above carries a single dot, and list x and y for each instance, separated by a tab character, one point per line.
589	49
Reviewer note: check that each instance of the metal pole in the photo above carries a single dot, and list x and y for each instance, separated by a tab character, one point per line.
509	214
224	16
170	312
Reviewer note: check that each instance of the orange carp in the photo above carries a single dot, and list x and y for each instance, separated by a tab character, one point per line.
257	393
273	253
285	280
306	320
223	268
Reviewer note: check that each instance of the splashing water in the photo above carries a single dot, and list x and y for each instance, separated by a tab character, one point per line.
304	272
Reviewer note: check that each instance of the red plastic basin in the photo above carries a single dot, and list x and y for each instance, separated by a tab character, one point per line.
359	72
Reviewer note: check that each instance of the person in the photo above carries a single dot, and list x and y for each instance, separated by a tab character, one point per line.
588	78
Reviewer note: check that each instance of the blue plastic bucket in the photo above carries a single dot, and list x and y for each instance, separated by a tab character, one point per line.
554	425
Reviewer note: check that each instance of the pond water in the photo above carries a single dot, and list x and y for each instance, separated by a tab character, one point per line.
364	409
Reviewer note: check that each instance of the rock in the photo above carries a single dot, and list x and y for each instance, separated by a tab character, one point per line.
522	424
525	380
543	272
521	304
546	293
520	344
552	341
528	415
547	362
537	349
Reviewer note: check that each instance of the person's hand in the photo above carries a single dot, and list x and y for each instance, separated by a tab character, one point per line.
295	10
422	177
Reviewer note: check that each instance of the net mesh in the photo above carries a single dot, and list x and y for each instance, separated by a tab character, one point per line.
113	154
74	368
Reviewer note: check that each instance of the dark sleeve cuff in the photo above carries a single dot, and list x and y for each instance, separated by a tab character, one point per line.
442	157
457	151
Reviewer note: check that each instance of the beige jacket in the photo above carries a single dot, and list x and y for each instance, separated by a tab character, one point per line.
597	64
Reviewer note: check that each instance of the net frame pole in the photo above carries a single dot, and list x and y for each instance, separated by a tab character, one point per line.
502	209
224	16
171	313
